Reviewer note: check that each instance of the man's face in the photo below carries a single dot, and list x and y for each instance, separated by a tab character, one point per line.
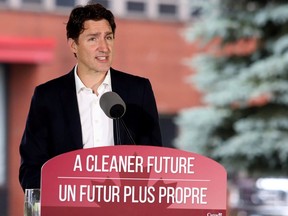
95	46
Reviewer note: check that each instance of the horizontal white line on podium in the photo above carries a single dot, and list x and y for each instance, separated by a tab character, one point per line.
133	179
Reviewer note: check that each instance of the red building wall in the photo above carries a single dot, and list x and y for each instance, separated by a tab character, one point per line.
155	50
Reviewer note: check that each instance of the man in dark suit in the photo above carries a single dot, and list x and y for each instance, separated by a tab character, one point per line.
65	114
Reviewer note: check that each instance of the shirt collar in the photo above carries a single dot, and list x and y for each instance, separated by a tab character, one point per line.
80	85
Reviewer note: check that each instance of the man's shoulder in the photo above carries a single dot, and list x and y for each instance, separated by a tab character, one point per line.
55	86
127	76
58	81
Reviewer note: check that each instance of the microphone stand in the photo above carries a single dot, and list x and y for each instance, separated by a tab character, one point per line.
127	131
118	137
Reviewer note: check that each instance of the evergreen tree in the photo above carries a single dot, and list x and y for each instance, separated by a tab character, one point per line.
244	80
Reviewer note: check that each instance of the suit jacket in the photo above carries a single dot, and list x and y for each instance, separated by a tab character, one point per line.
53	125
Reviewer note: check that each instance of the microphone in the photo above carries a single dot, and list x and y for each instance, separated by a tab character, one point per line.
114	107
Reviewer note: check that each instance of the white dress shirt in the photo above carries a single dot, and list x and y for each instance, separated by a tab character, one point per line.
97	128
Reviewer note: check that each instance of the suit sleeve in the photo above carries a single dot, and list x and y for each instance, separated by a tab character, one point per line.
34	144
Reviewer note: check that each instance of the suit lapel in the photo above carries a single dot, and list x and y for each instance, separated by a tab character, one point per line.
71	111
118	83
119	86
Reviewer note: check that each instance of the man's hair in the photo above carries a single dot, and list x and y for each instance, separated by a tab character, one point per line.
80	14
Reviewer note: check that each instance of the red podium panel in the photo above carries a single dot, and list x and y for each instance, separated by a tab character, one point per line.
134	181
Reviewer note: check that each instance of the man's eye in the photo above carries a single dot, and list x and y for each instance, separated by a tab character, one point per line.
92	39
109	37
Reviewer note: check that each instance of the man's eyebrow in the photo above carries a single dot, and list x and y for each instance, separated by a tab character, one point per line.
109	33
99	33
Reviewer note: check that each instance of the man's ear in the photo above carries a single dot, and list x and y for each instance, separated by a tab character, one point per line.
72	45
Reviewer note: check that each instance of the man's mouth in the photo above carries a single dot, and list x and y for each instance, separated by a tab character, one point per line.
102	58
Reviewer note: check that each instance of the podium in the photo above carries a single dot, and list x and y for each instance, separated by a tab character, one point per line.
133	180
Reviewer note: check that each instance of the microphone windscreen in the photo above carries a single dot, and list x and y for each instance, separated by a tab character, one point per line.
112	105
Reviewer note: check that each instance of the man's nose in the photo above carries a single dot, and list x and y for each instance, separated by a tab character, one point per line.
103	45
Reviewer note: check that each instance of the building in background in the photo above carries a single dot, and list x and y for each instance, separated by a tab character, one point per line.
33	50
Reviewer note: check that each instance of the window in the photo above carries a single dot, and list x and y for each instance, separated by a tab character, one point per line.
105	3
65	3
167	9
31	5
32	1
133	6
196	12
